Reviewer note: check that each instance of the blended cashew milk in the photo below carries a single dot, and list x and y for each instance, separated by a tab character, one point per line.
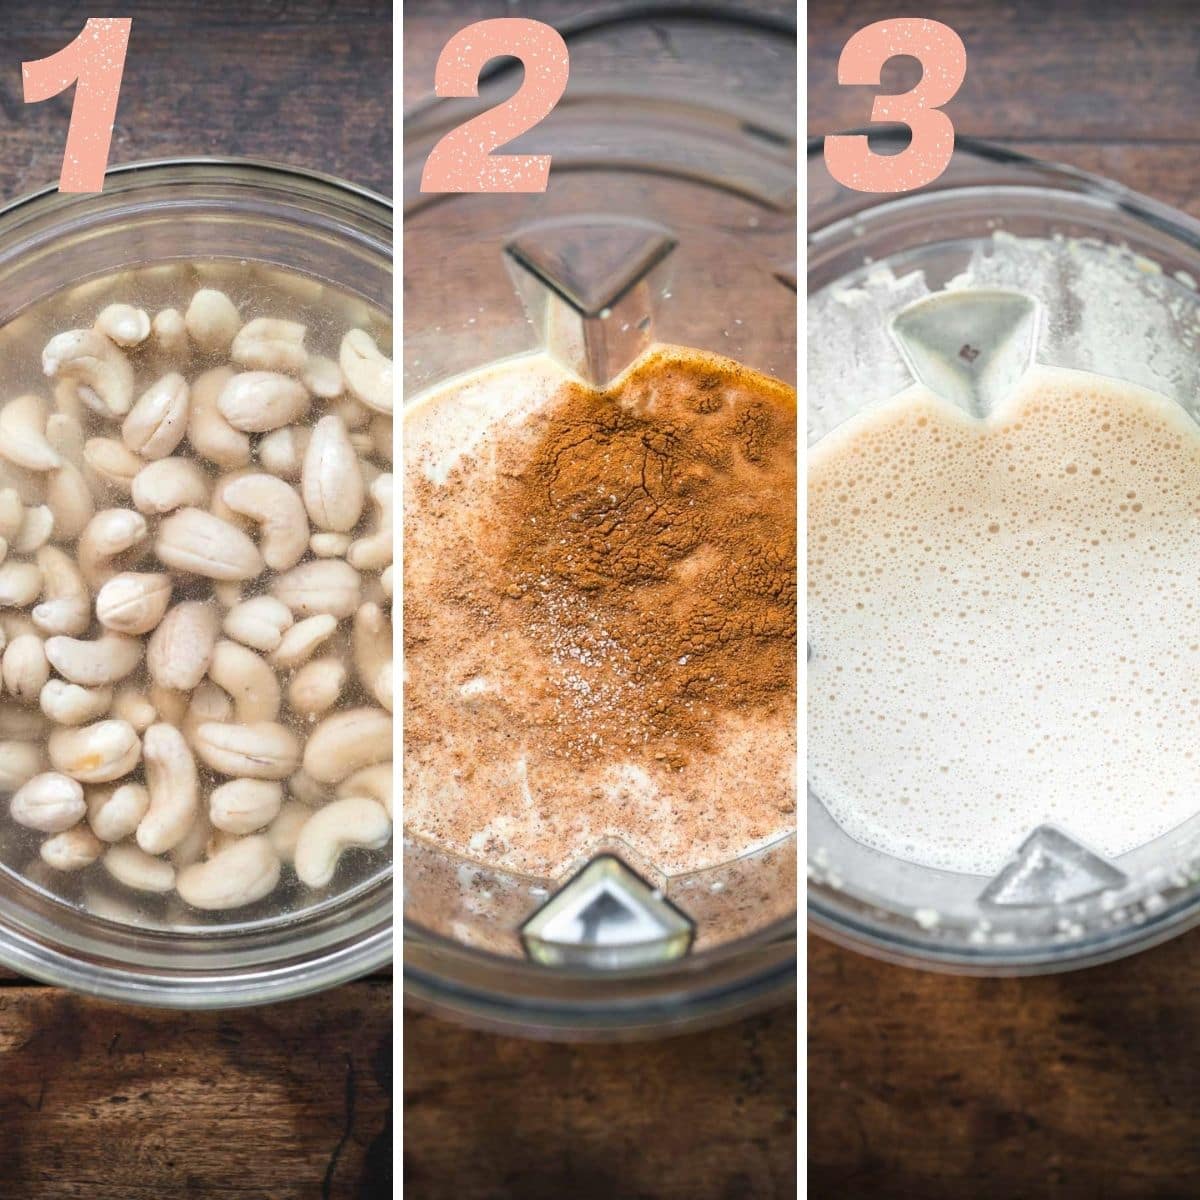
1004	621
600	613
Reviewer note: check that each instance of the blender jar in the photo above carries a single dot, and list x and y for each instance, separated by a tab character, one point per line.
669	218
1016	263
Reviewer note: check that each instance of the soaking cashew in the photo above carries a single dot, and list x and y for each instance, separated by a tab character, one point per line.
157	422
303	787
37	527
284	830
71	850
212	321
133	603
96	753
107	659
174	789
25	668
129	704
66	604
374	782
209	434
69	501
301	641
170	704
278	510
23	435
238	875
69	704
371	642
347	741
367	372
170	483
20	584
267	344
112	534
282	451
101	374
112	463
195	541
114	813
245	805
49	803
169	331
20	761
323	377
251	684
124	324
316	687
138	870
329	545
325	585
353	822
12	512
265	750
259	401
208	703
374	551
181	647
331	480
259	622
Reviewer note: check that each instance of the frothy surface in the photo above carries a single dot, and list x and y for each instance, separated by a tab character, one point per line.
1004	625
490	692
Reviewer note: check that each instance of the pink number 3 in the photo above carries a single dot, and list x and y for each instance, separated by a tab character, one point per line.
943	60
463	161
94	62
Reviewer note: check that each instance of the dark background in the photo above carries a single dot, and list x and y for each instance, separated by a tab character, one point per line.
709	1116
1073	1087
106	1102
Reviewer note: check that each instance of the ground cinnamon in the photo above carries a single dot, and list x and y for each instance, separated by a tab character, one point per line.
651	552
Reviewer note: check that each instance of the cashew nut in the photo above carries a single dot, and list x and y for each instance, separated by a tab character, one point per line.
259	401
49	803
212	321
133	603
157	422
316	687
112	532
209	434
199	543
267	344
252	685
25	668
114	813
371	642
95	753
101	373
244	805
124	324
181	648
107	659
282	451
374	782
275	506
129	704
20	584
329	545
238	875
284	831
301	641
112	463
23	435
69	704
323	377
169	331
354	821
259	622
325	585
368	372
170	483
71	850
347	741
264	750
174	789
20	761
136	869
66	604
331	481
374	551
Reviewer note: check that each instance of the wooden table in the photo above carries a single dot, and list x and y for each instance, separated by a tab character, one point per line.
1077	1086
108	1102
709	1116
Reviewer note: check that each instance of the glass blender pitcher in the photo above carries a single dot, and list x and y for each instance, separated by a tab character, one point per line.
669	218
1003	263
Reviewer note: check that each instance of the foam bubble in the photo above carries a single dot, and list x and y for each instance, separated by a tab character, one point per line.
1004	621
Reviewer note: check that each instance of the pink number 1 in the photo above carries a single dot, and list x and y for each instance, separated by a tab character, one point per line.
94	62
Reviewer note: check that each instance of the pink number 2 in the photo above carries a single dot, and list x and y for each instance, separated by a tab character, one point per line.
94	62
463	161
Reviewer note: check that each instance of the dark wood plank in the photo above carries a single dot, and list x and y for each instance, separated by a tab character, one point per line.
1099	70
1063	1087
307	82
709	1116
103	1102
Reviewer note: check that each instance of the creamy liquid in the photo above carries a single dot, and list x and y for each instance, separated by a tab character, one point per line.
1005	621
480	780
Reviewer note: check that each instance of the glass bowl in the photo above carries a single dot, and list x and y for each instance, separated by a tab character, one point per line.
669	218
1114	275
245	215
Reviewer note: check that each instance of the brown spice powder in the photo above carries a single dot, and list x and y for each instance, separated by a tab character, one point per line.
651	550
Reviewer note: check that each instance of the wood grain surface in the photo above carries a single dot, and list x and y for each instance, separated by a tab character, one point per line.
709	1116
291	1101
1083	1086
